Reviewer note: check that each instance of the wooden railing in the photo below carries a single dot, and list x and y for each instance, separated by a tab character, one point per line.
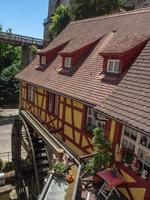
20	39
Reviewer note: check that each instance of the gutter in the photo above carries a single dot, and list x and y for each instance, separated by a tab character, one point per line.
120	121
60	93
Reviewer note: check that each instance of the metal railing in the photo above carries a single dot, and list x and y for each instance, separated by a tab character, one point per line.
22	40
7	156
53	142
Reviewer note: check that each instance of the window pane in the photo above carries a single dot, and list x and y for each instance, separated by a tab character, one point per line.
127	131
103	126
56	104
125	144
91	111
147	158
67	62
90	121
31	93
131	147
133	134
110	66
141	154
100	124
144	165
113	66
144	140
43	60
116	66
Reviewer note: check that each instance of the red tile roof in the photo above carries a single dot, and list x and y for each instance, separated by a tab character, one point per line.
130	102
79	42
121	31
82	85
121	42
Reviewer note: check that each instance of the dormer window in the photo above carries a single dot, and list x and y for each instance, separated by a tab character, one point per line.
113	66
67	63
43	60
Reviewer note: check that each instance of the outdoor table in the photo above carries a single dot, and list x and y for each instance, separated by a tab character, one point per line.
110	183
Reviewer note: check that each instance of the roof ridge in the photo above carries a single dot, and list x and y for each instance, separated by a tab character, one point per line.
136	11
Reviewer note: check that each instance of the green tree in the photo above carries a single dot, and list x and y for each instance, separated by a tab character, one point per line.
90	8
60	19
10	62
9	55
9	86
1	28
102	156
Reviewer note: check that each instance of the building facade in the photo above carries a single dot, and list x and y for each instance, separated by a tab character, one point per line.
96	74
52	5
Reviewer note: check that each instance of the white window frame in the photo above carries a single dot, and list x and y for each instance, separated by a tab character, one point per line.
91	114
67	62
137	144
114	62
43	60
31	93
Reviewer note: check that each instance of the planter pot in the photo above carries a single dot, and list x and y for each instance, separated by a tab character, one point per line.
96	179
57	174
113	173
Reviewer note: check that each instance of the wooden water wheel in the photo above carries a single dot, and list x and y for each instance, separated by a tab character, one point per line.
30	159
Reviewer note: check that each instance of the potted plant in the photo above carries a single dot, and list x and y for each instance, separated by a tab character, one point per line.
102	156
114	171
60	169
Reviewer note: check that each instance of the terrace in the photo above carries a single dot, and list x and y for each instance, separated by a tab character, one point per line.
56	187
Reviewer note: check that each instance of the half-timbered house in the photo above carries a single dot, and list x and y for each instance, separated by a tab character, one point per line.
96	73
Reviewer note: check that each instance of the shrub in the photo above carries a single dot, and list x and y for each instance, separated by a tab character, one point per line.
8	166
1	164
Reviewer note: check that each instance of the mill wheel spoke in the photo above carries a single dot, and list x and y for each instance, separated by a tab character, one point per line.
31	167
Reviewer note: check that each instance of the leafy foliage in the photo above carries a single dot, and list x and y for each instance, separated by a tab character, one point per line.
8	85
8	166
60	167
8	73
90	8
1	165
99	140
59	20
80	9
102	155
34	49
10	61
9	55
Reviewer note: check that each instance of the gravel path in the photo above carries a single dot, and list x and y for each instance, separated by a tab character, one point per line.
6	120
